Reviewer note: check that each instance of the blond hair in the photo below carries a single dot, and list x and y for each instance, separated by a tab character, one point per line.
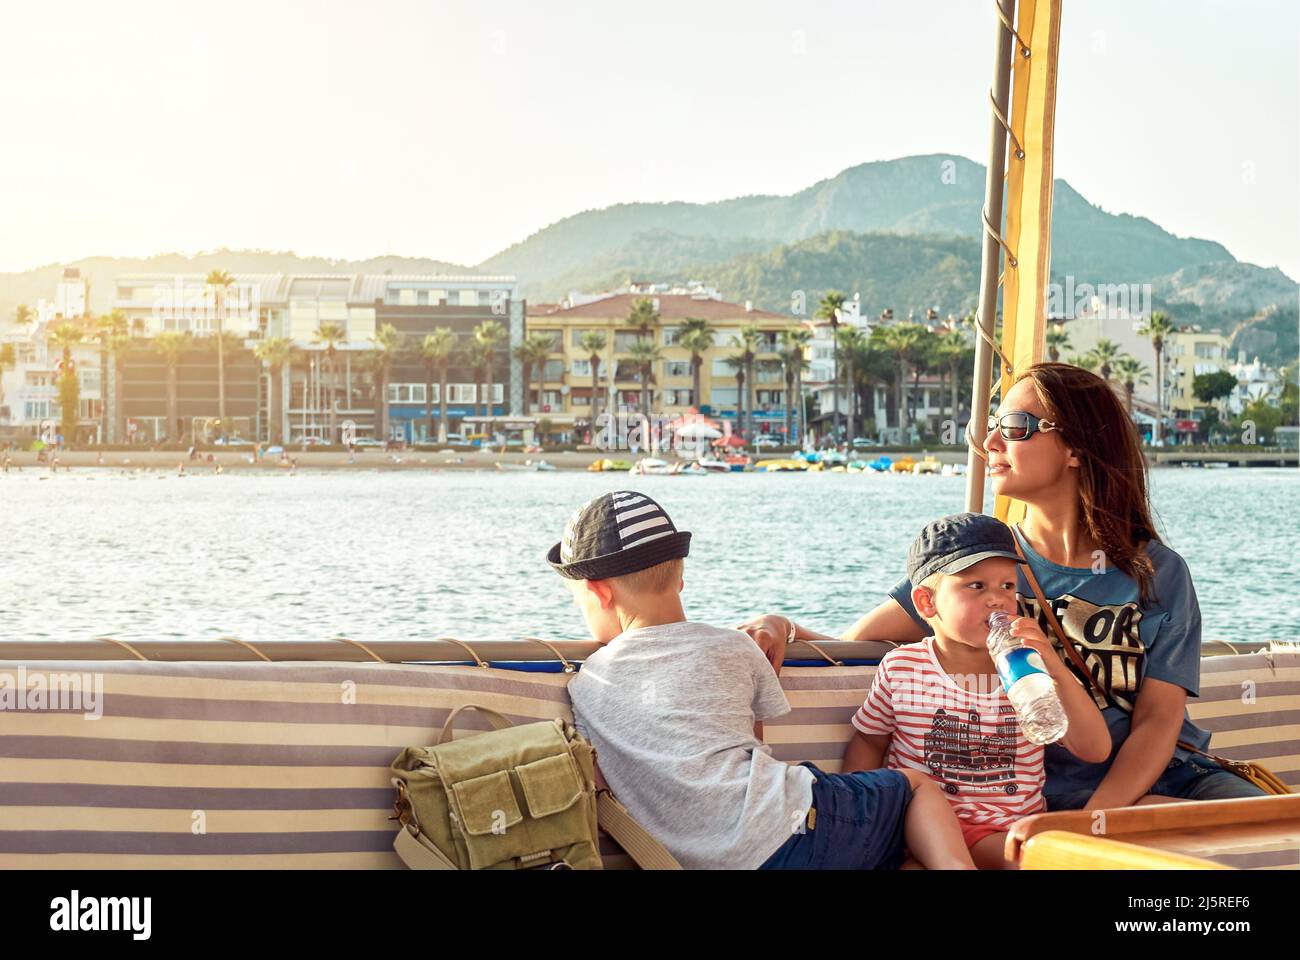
661	578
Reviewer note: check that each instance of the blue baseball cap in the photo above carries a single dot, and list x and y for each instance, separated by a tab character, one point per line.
951	544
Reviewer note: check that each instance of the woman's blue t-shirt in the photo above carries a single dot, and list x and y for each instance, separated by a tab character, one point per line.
1121	641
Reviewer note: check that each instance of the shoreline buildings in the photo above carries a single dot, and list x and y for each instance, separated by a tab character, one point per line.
151	394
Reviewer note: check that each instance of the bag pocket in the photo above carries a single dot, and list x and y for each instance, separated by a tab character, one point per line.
551	785
486	805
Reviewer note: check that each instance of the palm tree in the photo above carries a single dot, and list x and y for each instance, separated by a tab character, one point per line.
740	364
111	330
871	366
479	356
793	364
435	350
387	344
1058	339
1104	355
829	309
593	343
1157	329
643	317
847	341
220	281
275	353
645	354
1087	361
532	355
924	359
950	352
794	343
491	334
1131	371
8	360
696	336
170	345
902	342
65	336
330	334
23	315
749	342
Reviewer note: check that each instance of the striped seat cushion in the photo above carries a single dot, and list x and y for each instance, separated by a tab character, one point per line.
213	765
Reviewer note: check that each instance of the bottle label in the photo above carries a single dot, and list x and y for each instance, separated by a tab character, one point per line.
1014	665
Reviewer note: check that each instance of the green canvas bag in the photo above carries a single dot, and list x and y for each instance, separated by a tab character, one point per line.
512	798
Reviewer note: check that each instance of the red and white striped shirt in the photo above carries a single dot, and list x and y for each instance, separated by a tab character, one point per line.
965	736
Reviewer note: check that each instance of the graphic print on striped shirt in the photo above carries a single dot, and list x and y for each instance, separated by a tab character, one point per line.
967	741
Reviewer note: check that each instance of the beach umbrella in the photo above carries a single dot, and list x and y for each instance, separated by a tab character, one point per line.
731	441
699	431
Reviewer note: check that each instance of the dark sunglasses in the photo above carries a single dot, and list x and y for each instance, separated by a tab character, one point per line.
1018	425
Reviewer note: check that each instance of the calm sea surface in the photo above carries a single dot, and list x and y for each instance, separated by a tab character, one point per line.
414	555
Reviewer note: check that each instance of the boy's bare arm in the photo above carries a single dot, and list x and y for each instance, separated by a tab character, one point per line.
865	752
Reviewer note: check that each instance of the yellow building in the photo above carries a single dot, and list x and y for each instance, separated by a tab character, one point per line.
566	380
1188	353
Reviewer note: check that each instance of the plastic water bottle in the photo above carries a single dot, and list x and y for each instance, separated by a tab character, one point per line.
1029	686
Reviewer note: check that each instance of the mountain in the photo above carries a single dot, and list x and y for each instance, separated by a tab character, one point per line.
1272	334
908	272
938	194
904	233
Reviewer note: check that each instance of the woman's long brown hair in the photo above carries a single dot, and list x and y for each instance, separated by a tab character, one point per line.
1114	505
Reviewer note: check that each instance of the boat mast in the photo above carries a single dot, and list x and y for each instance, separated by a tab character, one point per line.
990	257
1025	81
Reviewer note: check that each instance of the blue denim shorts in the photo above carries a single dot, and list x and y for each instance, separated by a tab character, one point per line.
858	826
1196	778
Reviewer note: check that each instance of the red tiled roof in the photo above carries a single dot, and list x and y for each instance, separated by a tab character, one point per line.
671	307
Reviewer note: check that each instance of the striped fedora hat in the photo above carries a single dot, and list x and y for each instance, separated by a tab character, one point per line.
616	534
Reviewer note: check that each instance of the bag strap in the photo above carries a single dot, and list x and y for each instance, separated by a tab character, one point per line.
647	852
1075	657
417	854
497	721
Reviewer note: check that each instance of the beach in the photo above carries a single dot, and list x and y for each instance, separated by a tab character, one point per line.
364	459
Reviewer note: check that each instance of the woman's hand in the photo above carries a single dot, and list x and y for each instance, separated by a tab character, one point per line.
770	633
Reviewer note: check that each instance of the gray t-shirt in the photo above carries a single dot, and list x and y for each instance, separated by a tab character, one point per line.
671	712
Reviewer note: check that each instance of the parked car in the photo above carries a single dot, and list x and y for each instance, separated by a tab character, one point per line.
456	438
862	443
368	442
768	440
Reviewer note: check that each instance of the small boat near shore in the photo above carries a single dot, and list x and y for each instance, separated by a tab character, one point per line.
603	464
528	466
785	465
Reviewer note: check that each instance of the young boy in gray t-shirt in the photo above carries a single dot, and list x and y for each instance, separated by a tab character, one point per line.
675	710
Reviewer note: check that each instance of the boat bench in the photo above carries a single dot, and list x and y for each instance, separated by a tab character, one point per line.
285	765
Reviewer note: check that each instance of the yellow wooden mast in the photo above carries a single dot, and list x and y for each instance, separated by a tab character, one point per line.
1023	251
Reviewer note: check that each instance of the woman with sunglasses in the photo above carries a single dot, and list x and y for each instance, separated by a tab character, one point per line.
1062	443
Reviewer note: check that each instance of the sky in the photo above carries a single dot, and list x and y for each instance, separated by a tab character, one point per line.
452	129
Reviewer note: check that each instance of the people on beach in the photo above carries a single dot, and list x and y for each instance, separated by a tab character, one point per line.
1062	443
687	759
